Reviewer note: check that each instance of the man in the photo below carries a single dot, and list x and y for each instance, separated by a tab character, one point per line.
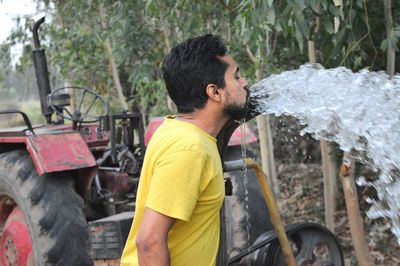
181	187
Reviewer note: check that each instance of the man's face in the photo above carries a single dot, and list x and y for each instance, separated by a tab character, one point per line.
235	91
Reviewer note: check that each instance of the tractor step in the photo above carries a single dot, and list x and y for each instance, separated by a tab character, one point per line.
108	235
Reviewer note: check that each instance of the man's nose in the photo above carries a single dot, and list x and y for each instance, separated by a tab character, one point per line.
244	81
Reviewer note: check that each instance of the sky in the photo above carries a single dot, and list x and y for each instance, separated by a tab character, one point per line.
10	9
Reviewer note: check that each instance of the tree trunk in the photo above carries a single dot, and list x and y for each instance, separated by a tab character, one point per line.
267	151
336	20
329	170
66	82
115	75
353	211
391	55
113	65
329	164
328	161
167	33
267	145
265	137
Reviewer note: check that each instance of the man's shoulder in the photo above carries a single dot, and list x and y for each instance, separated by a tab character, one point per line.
182	132
186	140
178	140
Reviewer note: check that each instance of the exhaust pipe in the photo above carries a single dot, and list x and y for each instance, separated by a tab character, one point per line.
42	73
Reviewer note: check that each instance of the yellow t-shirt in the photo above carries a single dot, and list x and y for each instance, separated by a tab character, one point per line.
181	178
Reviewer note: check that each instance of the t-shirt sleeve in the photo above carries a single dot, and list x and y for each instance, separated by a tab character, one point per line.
175	184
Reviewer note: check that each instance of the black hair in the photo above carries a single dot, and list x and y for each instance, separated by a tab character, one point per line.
190	67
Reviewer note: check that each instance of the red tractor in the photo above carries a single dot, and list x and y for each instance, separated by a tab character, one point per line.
55	178
67	190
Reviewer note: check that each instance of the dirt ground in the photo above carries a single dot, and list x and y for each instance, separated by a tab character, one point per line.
301	200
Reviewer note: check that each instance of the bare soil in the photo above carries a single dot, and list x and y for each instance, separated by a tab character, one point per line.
301	200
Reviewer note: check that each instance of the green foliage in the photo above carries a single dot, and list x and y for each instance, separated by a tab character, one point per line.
394	40
5	63
270	35
355	43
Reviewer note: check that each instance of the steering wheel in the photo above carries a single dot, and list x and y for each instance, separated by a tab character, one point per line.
58	100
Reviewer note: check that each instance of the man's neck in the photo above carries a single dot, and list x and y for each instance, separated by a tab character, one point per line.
210	123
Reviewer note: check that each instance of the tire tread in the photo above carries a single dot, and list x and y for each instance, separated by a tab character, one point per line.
52	208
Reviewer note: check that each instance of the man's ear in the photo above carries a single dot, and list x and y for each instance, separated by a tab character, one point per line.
213	92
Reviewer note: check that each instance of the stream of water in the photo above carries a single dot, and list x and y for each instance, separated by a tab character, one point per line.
359	111
246	191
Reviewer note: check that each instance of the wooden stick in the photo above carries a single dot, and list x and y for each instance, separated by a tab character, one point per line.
353	211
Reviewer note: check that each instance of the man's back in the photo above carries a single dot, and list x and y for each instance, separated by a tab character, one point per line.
181	178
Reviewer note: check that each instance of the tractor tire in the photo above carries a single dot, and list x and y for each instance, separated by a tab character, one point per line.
52	213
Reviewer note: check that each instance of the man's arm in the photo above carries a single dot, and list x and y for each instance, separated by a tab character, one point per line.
152	238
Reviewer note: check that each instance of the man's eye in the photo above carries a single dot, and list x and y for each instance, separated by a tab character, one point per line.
237	76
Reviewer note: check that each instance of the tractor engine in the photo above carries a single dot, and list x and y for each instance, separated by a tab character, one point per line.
115	184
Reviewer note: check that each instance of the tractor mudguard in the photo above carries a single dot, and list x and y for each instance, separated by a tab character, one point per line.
58	152
55	152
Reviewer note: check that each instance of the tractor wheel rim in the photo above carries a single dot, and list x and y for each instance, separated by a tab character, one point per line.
15	241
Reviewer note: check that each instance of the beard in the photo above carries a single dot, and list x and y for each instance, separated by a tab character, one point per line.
236	111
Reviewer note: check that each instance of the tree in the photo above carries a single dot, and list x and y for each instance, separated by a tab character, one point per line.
5	66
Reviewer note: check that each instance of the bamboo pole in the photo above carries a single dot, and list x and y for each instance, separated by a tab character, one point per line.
351	197
273	211
328	163
267	151
265	136
267	145
353	211
330	183
328	169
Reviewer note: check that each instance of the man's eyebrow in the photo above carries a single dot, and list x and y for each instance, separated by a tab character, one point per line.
237	70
